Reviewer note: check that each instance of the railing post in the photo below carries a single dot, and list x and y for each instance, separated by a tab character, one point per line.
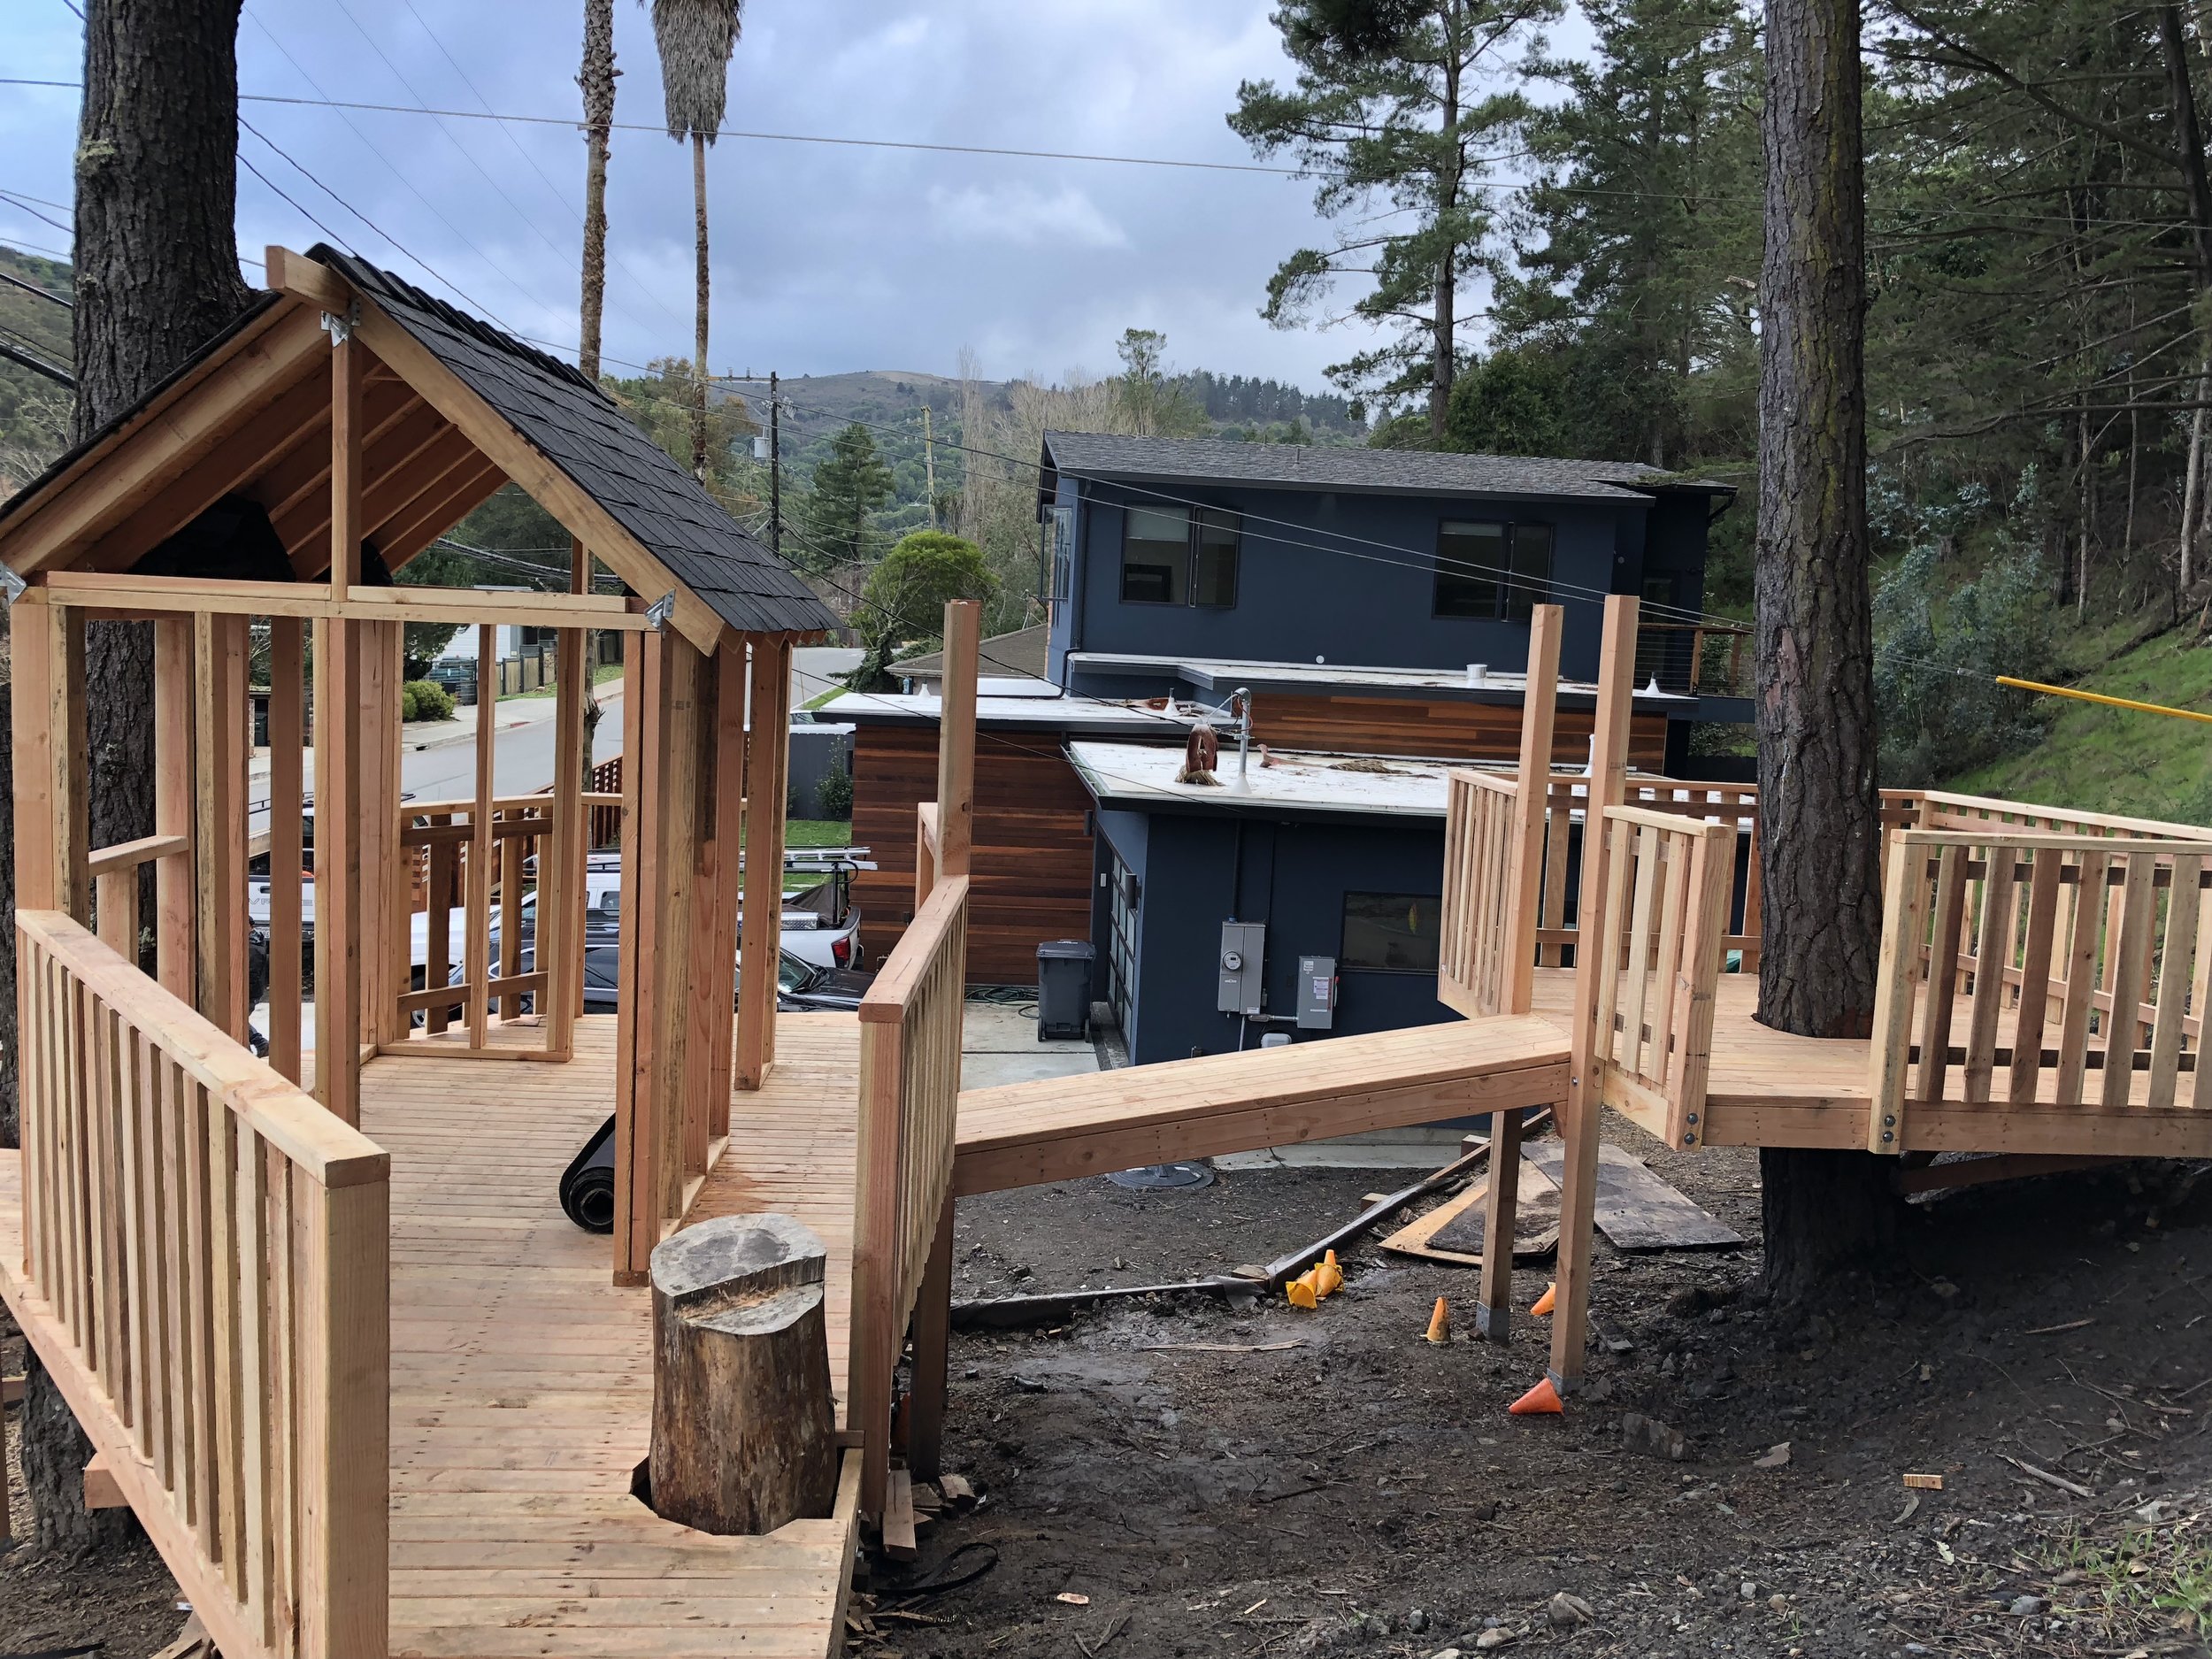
869	1357
955	739
344	1438
1539	698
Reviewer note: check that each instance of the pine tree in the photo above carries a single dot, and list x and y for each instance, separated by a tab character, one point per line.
1393	104
850	485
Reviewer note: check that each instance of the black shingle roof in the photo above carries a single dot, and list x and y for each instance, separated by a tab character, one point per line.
1341	467
582	430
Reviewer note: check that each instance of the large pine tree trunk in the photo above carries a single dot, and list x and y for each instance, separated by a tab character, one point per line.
156	277
1821	889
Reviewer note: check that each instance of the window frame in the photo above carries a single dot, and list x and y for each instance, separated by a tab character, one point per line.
1507	605
1196	520
1061	519
1433	901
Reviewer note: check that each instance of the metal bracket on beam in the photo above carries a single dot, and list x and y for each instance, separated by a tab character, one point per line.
12	586
658	613
340	328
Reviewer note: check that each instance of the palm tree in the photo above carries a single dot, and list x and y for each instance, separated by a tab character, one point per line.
696	39
597	81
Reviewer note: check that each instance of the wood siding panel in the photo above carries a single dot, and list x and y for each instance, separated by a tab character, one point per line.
1032	875
1440	730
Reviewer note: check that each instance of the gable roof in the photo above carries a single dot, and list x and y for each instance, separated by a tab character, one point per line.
452	409
1352	469
584	432
1023	652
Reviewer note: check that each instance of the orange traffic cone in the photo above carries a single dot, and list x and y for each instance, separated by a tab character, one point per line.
1328	1278
1440	1323
1302	1291
1539	1402
1544	1303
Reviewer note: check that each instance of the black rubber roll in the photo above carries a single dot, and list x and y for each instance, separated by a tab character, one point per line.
588	1184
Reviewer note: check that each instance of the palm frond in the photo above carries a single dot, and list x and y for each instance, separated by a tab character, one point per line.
696	39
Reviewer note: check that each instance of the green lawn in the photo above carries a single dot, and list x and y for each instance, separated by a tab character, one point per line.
2116	760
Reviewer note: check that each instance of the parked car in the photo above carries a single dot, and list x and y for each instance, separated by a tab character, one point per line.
456	675
801	986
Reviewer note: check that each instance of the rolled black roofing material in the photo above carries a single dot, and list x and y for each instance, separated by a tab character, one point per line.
588	1184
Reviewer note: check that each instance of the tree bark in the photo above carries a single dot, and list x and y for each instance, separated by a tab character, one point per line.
597	81
156	277
55	1451
699	365
744	1430
1821	889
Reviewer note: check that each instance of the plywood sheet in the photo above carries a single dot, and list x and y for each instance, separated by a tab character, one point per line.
1636	1210
1452	1232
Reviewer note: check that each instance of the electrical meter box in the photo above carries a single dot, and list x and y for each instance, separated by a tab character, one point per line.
1243	950
1316	992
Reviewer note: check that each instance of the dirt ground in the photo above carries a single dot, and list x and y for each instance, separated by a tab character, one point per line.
1364	1493
119	1601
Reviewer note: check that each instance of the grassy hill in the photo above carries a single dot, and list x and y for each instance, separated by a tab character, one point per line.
34	411
2115	760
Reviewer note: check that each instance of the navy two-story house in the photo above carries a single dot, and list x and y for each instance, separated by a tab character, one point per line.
1374	604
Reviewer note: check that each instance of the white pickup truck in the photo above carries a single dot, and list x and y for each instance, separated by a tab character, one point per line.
821	925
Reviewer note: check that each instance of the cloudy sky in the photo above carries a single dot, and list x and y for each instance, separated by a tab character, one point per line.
826	257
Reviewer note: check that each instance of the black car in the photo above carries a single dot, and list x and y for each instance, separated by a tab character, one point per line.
801	987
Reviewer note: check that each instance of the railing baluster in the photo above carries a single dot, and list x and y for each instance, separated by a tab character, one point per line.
2176	961
1943	971
2130	953
1993	944
2035	975
252	1310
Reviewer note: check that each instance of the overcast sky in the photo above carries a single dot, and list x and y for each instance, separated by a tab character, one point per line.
826	257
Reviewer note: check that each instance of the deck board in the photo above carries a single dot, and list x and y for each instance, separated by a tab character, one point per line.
522	1377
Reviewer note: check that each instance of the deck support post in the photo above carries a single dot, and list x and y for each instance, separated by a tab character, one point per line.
767	781
933	1328
218	730
338	757
1493	1312
722	800
1579	1124
636	1219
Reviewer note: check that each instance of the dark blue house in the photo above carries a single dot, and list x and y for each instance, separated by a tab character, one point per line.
1375	605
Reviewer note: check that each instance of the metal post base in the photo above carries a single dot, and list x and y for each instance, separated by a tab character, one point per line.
1494	1324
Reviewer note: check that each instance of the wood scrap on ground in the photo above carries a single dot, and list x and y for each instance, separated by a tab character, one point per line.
1452	1232
1636	1210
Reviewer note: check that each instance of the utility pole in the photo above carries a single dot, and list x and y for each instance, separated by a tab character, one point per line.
929	466
775	469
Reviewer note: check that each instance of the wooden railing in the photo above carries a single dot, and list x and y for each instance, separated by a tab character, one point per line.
2068	971
1667	889
1474	972
211	1247
1699	659
924	851
910	1094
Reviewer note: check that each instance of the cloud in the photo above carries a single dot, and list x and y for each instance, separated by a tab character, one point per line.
1022	215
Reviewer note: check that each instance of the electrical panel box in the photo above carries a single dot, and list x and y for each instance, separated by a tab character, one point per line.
1243	951
1316	992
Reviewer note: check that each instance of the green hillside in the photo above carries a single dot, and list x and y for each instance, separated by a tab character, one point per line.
2116	760
34	411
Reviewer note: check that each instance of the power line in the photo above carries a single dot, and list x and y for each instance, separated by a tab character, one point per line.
32	287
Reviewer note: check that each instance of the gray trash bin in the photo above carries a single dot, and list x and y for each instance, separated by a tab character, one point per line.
1064	989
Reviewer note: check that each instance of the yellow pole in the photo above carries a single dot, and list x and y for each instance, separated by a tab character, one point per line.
2098	697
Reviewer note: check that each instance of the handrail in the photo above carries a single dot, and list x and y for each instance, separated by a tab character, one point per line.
1474	975
1666	910
213	1247
2080	964
925	845
910	1091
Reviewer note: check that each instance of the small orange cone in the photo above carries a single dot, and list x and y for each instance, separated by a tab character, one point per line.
1544	1303
1301	1290
1440	1323
1541	1400
1328	1278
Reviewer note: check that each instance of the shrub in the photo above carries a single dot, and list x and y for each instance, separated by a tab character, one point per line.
833	795
424	700
1939	708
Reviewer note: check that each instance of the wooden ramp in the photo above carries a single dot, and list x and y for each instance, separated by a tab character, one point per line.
1058	1129
522	1377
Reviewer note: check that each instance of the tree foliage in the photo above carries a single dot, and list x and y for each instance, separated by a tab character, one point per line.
850	485
905	597
1404	107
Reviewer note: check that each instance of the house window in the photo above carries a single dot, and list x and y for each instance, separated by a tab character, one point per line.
1393	932
1178	556
1485	568
1060	524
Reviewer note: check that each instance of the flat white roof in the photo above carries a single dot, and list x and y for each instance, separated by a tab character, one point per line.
1227	673
1362	784
1055	710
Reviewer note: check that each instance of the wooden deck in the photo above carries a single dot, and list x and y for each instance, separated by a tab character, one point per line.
522	1379
1770	1088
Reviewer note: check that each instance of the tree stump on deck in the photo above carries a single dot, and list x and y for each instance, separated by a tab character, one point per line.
744	1430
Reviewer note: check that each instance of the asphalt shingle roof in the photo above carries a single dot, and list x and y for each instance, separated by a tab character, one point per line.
1331	466
582	431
